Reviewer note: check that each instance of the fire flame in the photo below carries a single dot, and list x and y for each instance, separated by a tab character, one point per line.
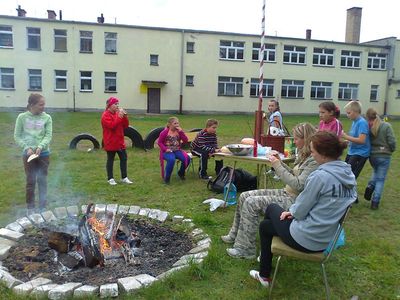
101	228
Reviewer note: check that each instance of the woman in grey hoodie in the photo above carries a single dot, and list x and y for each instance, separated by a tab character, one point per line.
311	222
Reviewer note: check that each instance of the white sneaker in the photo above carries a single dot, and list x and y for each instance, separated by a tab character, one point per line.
265	282
126	180
112	181
227	239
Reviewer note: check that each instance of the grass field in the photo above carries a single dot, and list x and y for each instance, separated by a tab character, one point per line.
368	266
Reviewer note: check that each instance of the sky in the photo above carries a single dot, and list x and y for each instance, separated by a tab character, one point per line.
290	18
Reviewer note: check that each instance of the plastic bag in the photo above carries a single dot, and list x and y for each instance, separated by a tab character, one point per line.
214	203
341	241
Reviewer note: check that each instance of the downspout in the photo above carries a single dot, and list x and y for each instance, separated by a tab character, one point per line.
73	73
181	74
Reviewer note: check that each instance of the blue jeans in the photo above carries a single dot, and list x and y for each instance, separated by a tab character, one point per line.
380	167
170	157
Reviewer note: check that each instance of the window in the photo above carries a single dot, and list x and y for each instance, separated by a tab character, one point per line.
35	79
348	91
231	50
6	37
230	86
350	59
292	88
110	40
110	81
294	54
7	78
373	95
269	52
33	38
376	61
60	40
86	81
268	87
189	80
86	41
398	94
323	57
153	60
61	80
189	47
321	90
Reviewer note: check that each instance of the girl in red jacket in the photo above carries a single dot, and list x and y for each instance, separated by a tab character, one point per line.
114	120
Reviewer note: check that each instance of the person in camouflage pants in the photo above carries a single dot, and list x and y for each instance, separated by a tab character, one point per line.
252	204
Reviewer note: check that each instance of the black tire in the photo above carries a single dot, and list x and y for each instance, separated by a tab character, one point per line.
135	136
195	129
84	136
152	137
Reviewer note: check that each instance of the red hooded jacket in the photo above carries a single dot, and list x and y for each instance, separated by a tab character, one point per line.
113	130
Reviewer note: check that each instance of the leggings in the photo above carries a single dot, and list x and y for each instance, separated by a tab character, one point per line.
123	158
36	172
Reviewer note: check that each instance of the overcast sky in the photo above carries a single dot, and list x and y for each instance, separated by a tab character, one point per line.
288	18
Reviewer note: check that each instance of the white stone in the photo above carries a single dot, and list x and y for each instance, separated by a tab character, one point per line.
100	208
162	217
177	219
4	250
73	211
64	291
185	262
205	241
153	213
15	226
86	291
195	256
134	210
201	248
10	234
170	271
144	212
200	237
197	231
84	208
36	218
9	280
6	242
129	284
43	290
61	212
109	290
48	216
27	287
123	209
145	279
25	222
187	221
113	207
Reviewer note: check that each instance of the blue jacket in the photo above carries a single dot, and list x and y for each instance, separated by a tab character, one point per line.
328	191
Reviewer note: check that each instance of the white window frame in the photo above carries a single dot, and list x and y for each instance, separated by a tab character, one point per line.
376	61
231	50
293	89
110	42
60	40
60	77
321	90
348	91
33	38
6	37
269	52
86	41
374	93
323	57
350	59
34	80
189	80
294	55
230	86
189	47
7	75
86	78
109	78
268	87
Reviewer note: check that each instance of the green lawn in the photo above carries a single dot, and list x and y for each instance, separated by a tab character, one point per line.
368	266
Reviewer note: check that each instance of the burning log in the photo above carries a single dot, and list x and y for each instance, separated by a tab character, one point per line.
60	241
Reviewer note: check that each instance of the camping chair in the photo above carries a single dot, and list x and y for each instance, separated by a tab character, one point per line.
278	247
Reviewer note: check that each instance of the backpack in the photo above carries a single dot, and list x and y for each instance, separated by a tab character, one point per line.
243	180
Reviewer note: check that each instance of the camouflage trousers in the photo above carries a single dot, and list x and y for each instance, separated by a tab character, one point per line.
250	206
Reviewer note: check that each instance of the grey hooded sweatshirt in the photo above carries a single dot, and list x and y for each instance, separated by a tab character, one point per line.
328	191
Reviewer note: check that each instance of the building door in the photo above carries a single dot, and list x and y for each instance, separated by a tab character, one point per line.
153	100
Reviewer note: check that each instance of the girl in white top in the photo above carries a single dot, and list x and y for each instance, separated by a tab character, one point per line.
275	116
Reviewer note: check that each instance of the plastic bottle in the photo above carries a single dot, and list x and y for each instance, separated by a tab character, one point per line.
231	197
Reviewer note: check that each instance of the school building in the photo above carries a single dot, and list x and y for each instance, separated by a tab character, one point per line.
78	65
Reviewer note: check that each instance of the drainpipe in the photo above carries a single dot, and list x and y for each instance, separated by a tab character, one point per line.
181	75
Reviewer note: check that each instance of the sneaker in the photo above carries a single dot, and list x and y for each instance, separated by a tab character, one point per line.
238	253
374	205
126	180
276	177
205	177
227	239
182	176
369	190
112	181
259	258
265	282
166	181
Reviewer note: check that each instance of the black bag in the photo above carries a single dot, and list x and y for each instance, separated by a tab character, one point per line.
243	180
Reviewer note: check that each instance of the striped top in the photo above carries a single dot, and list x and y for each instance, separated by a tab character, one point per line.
205	141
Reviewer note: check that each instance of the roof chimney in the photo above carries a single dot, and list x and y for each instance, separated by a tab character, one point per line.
21	11
51	14
353	25
60	14
100	19
308	34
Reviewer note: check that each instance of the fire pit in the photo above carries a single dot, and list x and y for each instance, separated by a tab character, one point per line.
107	251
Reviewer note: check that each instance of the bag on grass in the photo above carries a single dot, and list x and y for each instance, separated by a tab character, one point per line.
243	180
